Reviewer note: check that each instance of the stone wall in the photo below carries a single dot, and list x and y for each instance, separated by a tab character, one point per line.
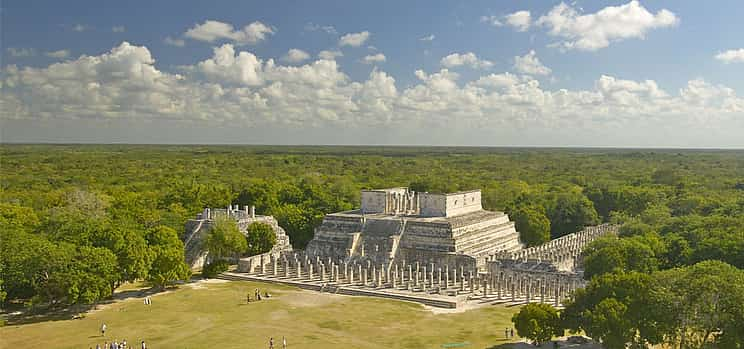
449	205
196	230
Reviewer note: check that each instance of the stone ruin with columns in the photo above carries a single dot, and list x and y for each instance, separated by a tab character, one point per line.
196	231
441	250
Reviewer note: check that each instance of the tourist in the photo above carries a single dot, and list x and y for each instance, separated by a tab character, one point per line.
506	332
271	343
103	330
248	298
511	333
124	344
284	343
144	346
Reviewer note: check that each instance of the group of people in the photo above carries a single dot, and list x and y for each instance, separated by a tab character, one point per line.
257	296
508	333
284	343
116	344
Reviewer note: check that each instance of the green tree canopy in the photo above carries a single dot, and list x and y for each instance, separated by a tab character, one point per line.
532	224
538	322
260	239
612	254
168	265
570	212
224	239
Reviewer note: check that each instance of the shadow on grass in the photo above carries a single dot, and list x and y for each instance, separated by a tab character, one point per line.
513	345
17	314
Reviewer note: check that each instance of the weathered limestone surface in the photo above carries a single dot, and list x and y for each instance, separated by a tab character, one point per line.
196	230
400	225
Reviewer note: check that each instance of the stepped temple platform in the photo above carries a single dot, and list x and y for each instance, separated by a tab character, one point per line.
441	250
398	225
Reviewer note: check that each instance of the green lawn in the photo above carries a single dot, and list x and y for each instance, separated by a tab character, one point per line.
214	315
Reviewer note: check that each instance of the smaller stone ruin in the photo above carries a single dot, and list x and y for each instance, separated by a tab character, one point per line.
196	231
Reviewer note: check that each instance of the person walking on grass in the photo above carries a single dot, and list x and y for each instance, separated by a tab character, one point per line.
284	342
271	343
144	346
103	330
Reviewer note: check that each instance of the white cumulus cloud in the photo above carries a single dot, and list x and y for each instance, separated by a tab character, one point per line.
530	64
591	32
731	56
330	54
467	59
174	42
59	54
211	31
376	58
312	27
520	20
429	37
237	88
295	55
354	39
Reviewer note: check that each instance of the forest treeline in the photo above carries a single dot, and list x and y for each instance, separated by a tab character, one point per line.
78	220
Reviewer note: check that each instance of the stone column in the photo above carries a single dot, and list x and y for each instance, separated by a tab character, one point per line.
310	271
446	277
424	275
275	266
364	277
513	292
322	272
439	277
471	282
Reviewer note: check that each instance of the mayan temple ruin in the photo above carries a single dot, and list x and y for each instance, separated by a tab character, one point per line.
395	225
197	229
442	250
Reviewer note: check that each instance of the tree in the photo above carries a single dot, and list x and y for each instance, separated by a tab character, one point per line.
617	309
224	240
707	304
612	254
260	239
532	224
127	241
168	265
570	212
538	322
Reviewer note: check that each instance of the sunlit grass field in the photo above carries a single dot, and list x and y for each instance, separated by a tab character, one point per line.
215	315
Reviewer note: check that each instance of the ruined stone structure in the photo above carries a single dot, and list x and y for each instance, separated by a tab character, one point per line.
399	226
442	250
531	276
196	231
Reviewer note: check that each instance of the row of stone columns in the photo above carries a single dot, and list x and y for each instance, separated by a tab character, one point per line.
499	284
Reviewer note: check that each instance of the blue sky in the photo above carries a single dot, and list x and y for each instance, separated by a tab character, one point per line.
600	73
